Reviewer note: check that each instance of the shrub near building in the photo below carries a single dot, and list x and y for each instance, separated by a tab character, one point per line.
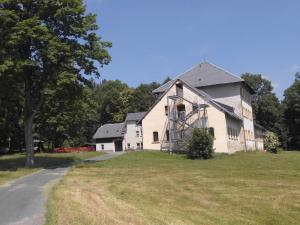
200	145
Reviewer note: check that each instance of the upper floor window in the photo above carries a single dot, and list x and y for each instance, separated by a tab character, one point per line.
137	133
155	136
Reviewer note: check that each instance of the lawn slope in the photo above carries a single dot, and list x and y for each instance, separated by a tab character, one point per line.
157	188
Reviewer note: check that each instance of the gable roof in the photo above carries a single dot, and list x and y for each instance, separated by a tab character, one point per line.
135	116
110	131
225	108
204	74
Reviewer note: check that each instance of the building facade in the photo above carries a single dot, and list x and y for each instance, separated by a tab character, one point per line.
205	96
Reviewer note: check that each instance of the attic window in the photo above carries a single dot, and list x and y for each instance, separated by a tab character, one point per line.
199	79
107	131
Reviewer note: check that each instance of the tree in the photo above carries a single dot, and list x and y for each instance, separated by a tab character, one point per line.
167	80
39	40
200	145
113	99
143	98
291	105
271	142
67	109
266	106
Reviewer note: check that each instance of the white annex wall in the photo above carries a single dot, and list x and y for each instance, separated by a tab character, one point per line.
132	137
107	146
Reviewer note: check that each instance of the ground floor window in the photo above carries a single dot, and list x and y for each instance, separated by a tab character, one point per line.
167	135
138	145
102	147
155	136
128	145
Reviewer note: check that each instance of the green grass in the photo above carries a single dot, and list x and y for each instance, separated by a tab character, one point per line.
157	188
12	166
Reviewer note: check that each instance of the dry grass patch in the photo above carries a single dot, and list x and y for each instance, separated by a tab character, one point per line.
156	188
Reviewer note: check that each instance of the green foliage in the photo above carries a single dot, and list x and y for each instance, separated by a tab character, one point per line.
291	105
200	145
271	142
42	40
112	99
143	98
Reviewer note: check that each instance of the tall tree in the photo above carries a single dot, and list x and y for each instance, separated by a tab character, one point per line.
143	98
266	106
291	104
39	40
113	99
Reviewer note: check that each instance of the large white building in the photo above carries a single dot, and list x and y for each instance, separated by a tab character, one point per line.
205	96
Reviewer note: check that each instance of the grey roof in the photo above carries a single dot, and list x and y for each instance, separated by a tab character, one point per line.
204	74
110	131
135	116
227	107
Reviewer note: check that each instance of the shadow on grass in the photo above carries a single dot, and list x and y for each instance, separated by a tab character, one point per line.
45	162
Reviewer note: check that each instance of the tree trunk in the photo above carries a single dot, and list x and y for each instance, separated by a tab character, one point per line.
28	122
29	141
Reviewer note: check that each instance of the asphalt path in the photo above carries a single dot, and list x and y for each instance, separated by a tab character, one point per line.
23	201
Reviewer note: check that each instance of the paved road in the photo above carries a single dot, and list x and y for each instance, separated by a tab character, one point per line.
23	201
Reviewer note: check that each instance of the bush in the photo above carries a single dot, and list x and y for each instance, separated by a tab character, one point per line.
271	142
200	145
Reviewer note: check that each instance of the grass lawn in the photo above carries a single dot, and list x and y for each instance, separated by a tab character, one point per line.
157	188
12	166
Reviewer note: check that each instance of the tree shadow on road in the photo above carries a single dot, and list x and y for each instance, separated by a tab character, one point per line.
13	163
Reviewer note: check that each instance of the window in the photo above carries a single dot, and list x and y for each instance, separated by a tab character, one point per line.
155	136
195	106
102	147
166	110
211	131
137	133
128	145
181	111
167	135
138	145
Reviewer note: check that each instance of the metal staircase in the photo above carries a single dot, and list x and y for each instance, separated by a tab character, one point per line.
180	125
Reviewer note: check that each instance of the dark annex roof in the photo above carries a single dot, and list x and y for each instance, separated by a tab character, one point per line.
204	74
135	116
110	131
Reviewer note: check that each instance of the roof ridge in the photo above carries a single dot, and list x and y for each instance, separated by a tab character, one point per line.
226	71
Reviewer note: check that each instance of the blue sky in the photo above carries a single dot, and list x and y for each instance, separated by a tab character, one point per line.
153	39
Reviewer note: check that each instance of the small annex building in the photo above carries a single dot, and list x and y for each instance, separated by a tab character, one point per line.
121	136
110	137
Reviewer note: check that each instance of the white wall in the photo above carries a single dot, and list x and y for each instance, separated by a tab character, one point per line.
131	135
228	94
107	146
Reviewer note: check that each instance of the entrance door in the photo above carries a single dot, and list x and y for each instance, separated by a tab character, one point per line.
118	146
